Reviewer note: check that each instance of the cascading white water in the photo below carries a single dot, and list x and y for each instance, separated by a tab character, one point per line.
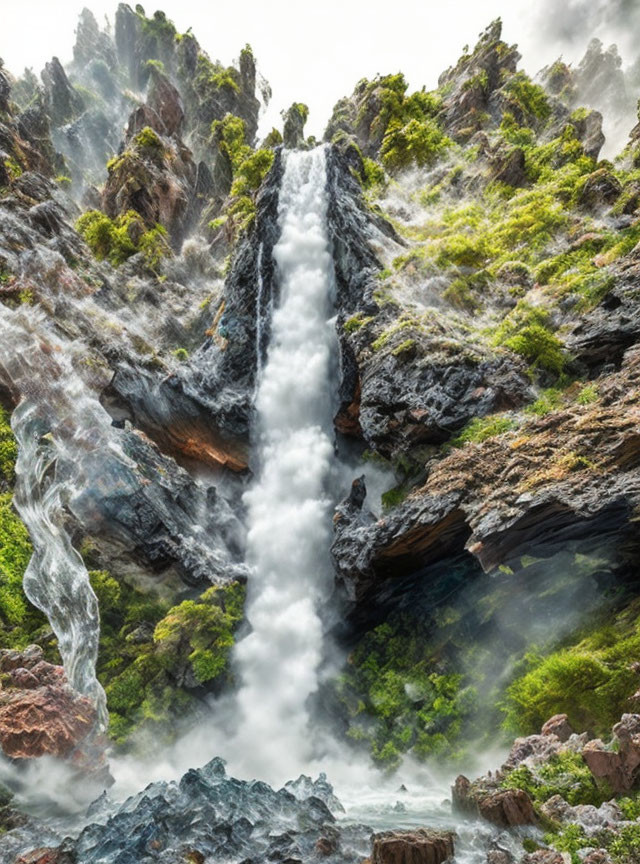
288	506
59	428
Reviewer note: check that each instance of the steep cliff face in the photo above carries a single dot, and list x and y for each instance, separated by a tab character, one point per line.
485	273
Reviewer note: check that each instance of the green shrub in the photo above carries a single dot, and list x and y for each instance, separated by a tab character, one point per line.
481	428
417	142
565	774
395	702
112	239
539	346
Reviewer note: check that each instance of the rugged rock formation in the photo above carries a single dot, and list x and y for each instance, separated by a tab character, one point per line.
208	814
505	808
40	715
619	764
511	492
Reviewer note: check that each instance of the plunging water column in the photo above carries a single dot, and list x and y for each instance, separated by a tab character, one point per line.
288	507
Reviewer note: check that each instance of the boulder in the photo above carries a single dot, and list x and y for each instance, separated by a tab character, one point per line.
546	856
421	846
559	726
505	808
601	189
620	767
40	714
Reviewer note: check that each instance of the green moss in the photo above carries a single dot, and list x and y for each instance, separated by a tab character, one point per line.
113	239
207	625
528	97
588	395
13	168
482	428
351	325
147	649
416	142
229	134
526	331
549	400
210	77
149	141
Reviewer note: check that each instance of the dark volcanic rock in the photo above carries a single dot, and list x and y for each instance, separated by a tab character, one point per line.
497	500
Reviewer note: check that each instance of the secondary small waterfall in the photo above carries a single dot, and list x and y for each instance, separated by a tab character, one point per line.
288	505
59	428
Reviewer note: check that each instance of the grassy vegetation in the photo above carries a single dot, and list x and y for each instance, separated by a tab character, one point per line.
590	678
565	774
149	649
116	240
394	700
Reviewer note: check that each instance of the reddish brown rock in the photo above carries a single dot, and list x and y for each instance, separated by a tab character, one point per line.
46	855
544	856
40	714
620	767
559	726
502	807
421	846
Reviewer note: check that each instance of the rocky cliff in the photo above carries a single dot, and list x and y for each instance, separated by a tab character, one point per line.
487	318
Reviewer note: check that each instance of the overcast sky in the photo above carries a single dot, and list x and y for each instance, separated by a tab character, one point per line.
315	52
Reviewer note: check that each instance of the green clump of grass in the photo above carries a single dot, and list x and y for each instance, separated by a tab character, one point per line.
113	239
590	679
482	428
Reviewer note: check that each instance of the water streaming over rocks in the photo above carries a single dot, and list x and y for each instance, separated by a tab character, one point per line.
288	506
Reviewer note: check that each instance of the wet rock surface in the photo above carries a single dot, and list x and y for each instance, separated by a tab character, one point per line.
208	814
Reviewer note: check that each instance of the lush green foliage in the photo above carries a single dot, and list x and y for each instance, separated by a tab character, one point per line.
413	143
565	774
526	331
147	651
118	239
394	699
591	680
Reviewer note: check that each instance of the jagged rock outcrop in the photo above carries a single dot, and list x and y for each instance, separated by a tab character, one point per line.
41	715
63	102
505	808
208	814
511	492
619	765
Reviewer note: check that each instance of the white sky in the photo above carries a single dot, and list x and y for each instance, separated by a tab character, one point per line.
309	52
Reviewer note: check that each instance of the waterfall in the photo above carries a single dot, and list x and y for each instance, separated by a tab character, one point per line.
288	505
63	436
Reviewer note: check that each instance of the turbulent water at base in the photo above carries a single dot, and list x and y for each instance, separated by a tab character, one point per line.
288	506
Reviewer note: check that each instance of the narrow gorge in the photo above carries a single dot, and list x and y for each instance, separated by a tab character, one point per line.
319	461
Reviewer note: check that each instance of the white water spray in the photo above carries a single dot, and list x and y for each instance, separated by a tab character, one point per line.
288	507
